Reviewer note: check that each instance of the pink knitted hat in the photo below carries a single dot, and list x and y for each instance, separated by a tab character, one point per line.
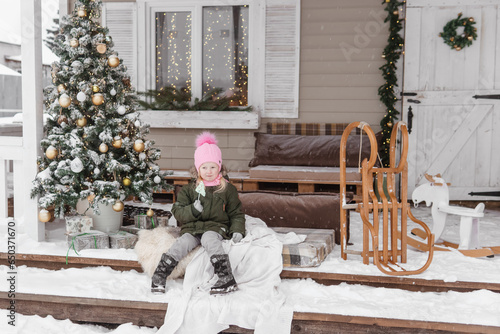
207	150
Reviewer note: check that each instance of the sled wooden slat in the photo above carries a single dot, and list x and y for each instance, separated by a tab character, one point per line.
406	283
151	314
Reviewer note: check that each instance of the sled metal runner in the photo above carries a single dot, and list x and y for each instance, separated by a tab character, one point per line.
385	208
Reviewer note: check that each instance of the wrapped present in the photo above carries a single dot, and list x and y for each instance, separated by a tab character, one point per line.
78	223
122	239
87	240
163	217
163	220
312	251
130	229
86	223
143	221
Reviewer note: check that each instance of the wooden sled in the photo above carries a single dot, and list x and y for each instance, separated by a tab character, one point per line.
394	213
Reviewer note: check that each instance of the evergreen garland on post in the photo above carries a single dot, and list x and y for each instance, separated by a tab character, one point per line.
392	53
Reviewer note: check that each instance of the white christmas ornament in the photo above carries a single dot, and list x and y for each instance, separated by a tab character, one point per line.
157	179
97	170
77	63
76	165
81	96
112	92
137	124
142	156
121	110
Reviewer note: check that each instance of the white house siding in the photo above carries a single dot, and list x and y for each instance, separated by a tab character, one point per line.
341	46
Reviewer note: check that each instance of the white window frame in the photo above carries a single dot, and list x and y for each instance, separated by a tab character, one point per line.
146	10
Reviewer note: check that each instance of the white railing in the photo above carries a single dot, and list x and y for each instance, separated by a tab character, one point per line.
12	180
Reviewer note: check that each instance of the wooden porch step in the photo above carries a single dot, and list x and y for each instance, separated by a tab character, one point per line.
53	262
109	311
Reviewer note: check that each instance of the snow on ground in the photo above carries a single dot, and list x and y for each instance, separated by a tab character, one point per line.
48	325
480	307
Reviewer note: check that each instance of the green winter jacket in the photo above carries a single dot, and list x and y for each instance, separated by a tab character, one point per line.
221	211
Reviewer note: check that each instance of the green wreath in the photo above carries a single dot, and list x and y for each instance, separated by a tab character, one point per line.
458	42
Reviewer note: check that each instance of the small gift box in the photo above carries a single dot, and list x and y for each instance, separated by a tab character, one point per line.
163	217
78	223
122	239
88	240
143	221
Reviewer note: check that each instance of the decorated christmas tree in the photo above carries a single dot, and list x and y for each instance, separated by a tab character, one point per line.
95	145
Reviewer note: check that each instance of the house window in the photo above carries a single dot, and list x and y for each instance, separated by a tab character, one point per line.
248	48
173	50
220	50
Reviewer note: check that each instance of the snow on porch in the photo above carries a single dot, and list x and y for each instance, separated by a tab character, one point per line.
479	307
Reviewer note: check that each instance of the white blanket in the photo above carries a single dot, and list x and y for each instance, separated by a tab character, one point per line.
257	304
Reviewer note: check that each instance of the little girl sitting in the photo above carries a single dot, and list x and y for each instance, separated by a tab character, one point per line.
209	211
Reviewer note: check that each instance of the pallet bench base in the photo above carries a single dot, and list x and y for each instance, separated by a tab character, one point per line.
243	181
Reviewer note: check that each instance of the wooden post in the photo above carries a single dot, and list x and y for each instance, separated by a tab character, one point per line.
4	206
31	50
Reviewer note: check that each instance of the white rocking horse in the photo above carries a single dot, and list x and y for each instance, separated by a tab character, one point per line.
436	193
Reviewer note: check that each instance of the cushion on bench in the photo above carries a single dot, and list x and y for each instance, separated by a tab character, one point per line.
294	150
303	173
309	253
297	210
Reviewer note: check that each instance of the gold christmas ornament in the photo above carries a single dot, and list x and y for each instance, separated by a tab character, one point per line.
389	124
126	182
396	12
65	101
138	145
81	122
103	148
95	88
113	61
44	216
118	206
74	43
62	119
470	38
82	12
51	152
458	48
150	213
117	142
90	198
471	19
101	48
97	99
452	39
60	88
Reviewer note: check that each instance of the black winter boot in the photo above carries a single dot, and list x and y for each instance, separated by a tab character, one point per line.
222	268
163	270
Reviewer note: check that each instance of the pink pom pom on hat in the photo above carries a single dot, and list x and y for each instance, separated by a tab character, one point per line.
207	150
